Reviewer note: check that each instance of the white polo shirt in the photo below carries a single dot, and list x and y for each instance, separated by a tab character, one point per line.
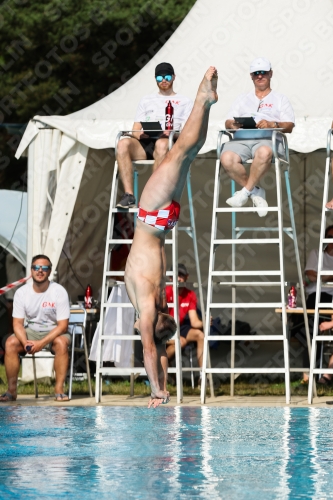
275	107
41	311
151	108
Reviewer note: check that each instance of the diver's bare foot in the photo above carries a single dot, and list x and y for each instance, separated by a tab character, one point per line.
329	205
207	88
155	402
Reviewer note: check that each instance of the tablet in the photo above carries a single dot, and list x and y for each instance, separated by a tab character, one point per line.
246	121
153	129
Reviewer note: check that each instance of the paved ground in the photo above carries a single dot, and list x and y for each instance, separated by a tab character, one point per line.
299	401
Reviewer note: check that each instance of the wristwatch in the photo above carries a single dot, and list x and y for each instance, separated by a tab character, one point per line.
276	124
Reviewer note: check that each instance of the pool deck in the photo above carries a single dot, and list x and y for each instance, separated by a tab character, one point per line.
227	401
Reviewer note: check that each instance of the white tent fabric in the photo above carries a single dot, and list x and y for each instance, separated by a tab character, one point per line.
295	35
13	223
55	166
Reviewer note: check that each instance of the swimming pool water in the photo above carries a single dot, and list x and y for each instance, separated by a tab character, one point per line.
167	453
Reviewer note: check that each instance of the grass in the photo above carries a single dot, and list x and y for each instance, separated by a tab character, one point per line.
122	387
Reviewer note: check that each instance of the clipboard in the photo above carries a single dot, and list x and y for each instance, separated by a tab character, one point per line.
153	129
246	121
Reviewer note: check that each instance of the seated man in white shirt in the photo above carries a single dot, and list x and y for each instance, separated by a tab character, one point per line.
40	320
270	110
140	146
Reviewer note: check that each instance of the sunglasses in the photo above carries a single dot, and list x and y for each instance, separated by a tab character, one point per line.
43	268
261	72
160	78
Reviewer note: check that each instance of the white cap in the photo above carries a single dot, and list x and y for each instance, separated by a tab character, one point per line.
260	64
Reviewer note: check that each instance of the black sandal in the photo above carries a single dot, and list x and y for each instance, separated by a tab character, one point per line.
324	381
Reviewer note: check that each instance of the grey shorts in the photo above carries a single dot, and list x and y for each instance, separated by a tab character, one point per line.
32	335
246	149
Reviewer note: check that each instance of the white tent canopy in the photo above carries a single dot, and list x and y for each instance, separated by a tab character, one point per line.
13	223
295	35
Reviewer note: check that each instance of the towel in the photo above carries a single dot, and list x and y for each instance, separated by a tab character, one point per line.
118	320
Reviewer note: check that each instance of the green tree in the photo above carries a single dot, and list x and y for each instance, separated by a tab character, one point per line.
62	55
59	56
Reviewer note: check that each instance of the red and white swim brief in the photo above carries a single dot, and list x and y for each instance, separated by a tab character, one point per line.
163	219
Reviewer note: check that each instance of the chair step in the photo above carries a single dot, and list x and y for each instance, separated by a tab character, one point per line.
124	210
321	370
121	241
240	241
326	305
121	371
143	162
245	337
138	370
250	283
123	304
245	370
120	304
263	228
187	369
238	305
246	273
324	338
245	209
120	337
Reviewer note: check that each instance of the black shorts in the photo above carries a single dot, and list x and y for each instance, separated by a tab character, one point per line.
184	329
149	146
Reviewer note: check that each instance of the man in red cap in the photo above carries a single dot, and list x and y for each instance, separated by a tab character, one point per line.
190	325
142	147
270	110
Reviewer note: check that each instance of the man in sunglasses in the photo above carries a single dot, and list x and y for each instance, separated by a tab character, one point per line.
270	110
140	146
40	320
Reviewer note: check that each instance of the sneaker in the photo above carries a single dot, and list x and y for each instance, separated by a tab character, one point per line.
239	199
127	201
259	200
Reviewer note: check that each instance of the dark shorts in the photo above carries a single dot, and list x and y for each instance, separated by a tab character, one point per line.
184	329
149	146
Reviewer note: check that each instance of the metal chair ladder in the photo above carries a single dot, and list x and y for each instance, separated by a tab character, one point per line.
322	240
108	275
281	162
76	326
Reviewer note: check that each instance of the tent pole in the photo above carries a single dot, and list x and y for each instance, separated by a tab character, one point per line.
30	203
